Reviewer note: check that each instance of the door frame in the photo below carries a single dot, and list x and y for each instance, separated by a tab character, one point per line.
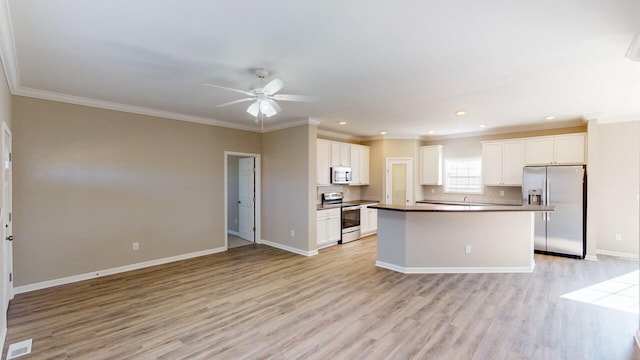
7	255
258	195
409	177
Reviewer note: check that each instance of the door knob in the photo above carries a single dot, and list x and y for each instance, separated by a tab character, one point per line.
10	237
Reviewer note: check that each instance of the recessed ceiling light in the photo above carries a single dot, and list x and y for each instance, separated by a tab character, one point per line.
383	133
430	132
550	117
460	112
342	123
482	125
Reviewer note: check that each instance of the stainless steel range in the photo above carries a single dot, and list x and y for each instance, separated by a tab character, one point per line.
350	216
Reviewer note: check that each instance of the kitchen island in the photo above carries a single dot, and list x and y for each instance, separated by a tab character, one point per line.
440	238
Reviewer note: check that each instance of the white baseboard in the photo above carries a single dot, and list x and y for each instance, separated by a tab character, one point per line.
591	257
625	255
455	270
326	245
289	248
116	270
637	338
234	233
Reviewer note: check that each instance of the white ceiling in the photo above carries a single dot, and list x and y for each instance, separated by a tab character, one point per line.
404	67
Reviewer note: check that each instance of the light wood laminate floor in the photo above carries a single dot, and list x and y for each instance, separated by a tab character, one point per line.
257	302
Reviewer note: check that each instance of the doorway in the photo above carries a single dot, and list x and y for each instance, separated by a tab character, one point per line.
242	199
399	181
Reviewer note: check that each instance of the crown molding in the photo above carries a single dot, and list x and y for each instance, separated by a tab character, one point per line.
509	130
308	121
392	137
337	135
78	100
7	48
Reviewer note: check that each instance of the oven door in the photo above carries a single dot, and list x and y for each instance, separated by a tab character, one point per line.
350	223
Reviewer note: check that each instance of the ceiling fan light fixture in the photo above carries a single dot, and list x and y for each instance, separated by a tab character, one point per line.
254	109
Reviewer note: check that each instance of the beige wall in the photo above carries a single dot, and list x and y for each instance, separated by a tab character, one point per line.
614	185
288	187
89	182
379	151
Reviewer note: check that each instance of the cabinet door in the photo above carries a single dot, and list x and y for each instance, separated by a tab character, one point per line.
431	165
539	151
340	154
356	168
334	232
364	220
492	163
512	162
569	149
364	165
323	163
373	220
321	231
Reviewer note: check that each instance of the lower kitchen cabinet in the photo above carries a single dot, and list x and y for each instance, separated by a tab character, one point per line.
368	221
327	227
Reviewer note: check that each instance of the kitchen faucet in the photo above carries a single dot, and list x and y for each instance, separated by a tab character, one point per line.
467	198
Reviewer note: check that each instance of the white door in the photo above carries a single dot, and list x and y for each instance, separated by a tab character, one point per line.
246	199
399	182
7	208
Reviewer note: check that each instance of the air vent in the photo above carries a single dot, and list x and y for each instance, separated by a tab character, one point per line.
18	349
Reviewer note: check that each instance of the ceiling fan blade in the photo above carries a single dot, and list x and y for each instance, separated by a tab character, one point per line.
273	86
254	108
235	102
275	105
290	97
249	93
267	108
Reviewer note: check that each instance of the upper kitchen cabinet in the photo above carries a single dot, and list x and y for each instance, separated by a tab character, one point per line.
340	154
334	153
323	163
359	165
502	162
556	150
431	165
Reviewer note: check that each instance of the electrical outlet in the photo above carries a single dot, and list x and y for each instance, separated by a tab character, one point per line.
618	237
135	246
467	249
501	192
433	191
293	233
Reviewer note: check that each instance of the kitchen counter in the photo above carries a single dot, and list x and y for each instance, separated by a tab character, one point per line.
440	238
346	203
434	207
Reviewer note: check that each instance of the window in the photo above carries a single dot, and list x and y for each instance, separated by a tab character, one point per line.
463	175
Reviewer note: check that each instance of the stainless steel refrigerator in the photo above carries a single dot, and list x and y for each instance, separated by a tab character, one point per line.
563	231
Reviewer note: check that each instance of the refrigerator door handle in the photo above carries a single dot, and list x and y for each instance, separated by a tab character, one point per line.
548	185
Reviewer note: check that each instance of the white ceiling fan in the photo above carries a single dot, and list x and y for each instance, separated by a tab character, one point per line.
264	98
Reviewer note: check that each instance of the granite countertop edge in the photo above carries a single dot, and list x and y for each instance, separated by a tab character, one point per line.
428	207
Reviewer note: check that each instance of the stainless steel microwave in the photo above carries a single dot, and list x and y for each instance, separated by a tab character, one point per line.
341	175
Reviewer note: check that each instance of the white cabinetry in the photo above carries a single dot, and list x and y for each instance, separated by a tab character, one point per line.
502	162
340	154
556	150
334	153
323	163
360	165
431	165
368	221
327	227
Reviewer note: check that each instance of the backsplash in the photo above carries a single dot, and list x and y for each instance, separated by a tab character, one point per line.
351	193
512	195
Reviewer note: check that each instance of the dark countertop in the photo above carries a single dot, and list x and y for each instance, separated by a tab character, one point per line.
429	207
346	203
